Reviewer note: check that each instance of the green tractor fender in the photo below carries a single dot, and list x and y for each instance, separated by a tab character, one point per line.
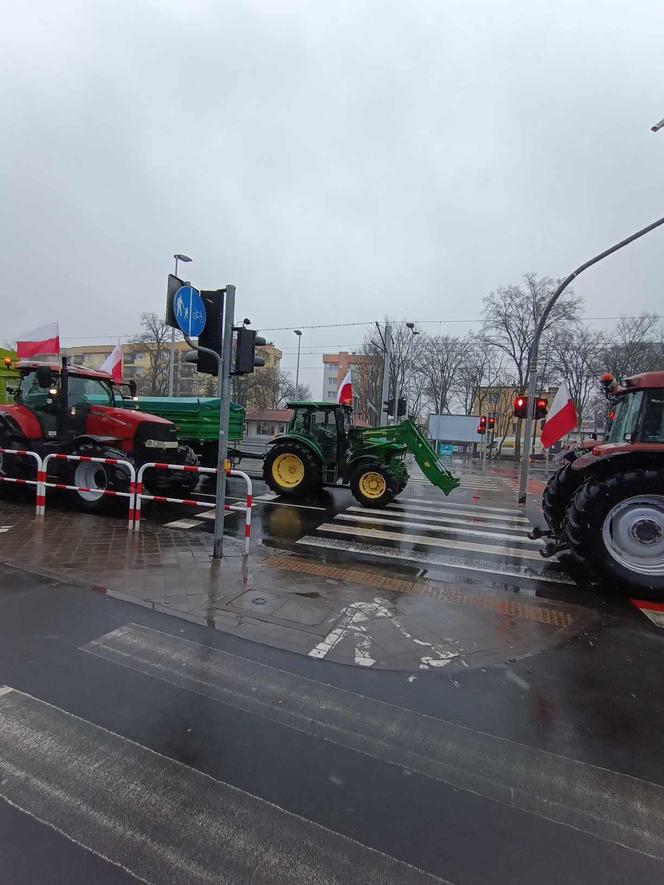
302	440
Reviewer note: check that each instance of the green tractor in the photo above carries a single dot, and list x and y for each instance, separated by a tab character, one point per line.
323	448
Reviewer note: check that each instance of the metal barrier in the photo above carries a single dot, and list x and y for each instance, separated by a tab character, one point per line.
40	496
190	502
131	494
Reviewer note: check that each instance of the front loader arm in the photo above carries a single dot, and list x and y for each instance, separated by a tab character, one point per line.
408	434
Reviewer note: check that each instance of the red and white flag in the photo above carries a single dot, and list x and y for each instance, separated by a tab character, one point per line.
42	340
561	419
113	364
345	392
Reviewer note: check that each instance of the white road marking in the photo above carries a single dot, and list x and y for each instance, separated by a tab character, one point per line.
160	820
492	567
264	499
5	528
182	524
478	533
427	541
514	512
353	623
606	804
449	509
461	519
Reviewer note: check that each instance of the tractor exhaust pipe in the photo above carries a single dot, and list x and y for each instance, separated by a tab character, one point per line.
64	396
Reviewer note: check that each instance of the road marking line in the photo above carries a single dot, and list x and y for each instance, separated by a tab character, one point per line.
160	820
612	806
264	499
448	509
460	519
436	528
492	567
182	524
427	541
514	512
5	528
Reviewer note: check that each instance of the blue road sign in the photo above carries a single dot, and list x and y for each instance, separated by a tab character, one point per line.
189	311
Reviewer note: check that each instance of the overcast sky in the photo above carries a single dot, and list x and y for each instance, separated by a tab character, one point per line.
335	160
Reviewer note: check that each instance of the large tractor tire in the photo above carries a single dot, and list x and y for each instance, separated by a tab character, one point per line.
558	494
615	529
373	485
291	468
175	483
96	478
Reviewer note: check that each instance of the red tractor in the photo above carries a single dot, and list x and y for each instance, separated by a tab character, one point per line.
72	410
605	505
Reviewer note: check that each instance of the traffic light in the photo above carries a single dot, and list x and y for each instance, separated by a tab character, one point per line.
174	283
481	427
540	408
401	411
210	337
245	346
491	424
520	406
388	406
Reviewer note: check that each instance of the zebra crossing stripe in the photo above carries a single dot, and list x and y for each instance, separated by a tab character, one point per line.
427	541
492	567
514	512
448	518
478	533
452	510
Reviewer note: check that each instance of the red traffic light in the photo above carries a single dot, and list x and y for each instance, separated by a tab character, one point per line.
541	407
520	406
481	427
492	424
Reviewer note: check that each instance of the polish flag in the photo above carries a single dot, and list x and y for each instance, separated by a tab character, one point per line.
113	364
345	392
561	419
42	340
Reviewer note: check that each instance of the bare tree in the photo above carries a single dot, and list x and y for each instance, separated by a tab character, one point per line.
511	314
155	341
440	361
576	355
635	346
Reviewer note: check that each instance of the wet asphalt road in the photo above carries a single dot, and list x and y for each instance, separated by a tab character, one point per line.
176	753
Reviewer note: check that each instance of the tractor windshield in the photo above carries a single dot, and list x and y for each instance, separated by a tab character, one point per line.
653	417
626	418
89	390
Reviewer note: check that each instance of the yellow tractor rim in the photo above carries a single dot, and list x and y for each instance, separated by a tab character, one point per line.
372	484
288	470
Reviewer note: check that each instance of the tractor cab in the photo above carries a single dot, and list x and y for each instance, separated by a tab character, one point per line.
327	427
638	413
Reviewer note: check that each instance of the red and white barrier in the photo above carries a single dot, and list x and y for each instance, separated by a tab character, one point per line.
190	502
131	494
40	496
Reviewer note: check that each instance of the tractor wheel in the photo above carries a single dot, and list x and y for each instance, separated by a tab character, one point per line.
373	485
292	469
558	494
15	466
175	483
96	478
615	528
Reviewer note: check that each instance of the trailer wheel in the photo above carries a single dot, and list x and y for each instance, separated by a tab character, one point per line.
557	495
373	485
175	483
95	479
615	528
292	469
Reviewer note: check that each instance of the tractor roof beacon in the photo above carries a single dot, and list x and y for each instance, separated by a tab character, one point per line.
67	409
322	448
605	505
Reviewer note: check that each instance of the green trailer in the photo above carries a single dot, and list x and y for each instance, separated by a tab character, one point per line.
196	420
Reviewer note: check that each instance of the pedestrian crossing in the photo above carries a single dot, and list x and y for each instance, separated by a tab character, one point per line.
493	540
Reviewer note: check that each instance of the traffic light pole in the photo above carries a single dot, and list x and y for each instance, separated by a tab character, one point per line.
385	389
223	374
534	350
224	414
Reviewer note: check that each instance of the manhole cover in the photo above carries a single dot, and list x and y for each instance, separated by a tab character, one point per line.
259	600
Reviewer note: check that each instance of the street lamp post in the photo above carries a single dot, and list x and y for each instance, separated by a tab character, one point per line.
171	362
534	350
397	392
297	370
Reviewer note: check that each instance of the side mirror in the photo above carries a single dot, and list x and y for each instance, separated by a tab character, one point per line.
133	387
44	377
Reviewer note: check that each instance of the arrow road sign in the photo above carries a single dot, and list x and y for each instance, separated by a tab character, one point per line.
189	311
